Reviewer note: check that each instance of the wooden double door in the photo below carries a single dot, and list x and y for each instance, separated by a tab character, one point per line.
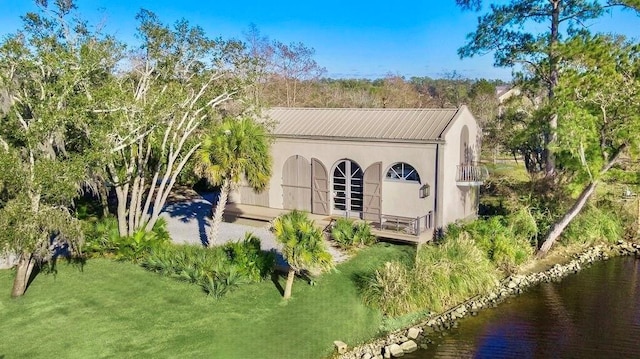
354	193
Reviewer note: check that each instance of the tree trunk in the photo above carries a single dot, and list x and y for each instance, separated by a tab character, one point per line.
559	226
638	220
165	189
23	273
551	136
133	205
219	212
122	211
287	288
103	193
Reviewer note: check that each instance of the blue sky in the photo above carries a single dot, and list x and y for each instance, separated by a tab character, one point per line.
352	38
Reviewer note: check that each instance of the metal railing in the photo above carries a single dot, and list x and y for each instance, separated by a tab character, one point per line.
409	225
472	173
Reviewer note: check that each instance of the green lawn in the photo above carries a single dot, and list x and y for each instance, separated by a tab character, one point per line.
113	309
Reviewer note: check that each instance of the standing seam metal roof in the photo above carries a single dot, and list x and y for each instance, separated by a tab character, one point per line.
415	124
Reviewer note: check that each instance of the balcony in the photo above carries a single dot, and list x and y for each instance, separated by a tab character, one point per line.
471	175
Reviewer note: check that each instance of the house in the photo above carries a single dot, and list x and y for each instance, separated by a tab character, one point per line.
406	171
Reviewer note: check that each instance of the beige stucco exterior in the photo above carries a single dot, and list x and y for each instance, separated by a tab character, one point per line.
435	160
459	201
398	198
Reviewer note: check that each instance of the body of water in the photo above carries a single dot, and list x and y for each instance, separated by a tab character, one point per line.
593	314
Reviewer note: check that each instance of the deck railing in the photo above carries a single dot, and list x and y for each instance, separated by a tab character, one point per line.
472	173
409	225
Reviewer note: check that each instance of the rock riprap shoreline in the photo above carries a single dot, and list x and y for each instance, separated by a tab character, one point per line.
408	340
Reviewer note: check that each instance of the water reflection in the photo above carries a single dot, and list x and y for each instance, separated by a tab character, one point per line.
595	314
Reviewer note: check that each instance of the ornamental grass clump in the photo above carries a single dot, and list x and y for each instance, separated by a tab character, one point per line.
442	276
594	224
390	289
450	273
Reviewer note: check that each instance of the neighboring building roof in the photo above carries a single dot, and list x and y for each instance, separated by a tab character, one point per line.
507	93
410	124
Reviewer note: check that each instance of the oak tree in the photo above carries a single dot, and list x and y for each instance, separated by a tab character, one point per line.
47	73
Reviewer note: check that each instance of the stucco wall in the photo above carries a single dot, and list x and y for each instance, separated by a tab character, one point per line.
459	202
398	198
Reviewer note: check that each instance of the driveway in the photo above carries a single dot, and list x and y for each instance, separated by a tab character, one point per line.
189	219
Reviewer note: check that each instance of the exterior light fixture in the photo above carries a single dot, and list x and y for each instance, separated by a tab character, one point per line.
425	190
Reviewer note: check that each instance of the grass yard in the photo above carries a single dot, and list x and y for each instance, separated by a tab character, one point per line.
113	309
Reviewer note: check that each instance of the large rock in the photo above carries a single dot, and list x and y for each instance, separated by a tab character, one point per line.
413	333
341	347
387	352
409	346
395	350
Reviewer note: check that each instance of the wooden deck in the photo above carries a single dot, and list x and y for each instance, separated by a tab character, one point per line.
235	211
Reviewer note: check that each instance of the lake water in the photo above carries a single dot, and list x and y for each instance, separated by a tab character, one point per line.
594	314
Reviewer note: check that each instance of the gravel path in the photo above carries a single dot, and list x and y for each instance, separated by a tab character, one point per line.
188	221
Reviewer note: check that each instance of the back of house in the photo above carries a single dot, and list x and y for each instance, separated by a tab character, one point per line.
409	170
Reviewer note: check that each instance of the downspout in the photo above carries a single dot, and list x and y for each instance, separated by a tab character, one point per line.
438	203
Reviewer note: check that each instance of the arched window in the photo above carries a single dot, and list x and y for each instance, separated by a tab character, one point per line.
403	172
347	186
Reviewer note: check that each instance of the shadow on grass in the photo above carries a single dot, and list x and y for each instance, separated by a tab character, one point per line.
278	275
275	278
362	280
51	266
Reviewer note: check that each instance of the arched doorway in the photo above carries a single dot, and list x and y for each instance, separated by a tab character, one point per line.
347	188
466	155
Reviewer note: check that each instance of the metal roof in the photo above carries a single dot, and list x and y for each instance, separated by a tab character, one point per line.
402	124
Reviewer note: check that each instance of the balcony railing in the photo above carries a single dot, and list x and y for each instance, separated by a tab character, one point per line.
471	175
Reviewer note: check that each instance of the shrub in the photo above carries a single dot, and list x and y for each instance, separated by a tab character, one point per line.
507	241
499	240
217	269
524	225
101	236
342	233
349	234
252	262
594	224
222	280
441	276
105	238
362	234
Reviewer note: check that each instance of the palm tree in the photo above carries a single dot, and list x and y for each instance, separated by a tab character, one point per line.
303	245
237	149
